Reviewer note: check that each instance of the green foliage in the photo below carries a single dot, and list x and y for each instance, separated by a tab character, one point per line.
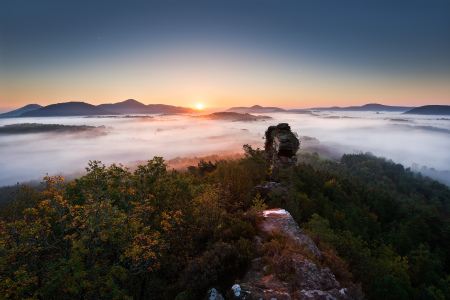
255	163
258	203
280	253
113	234
389	225
159	234
234	183
214	265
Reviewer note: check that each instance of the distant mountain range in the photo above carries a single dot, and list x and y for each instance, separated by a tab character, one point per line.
131	106
66	109
255	109
18	112
367	107
430	110
233	116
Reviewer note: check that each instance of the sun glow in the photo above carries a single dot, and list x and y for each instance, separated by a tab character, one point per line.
199	106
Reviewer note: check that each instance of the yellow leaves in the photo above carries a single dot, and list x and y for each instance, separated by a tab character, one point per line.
332	184
30	211
75	235
258	203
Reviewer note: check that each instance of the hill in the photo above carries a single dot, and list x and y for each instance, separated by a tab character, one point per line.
67	109
255	109
18	112
430	110
41	128
129	106
169	109
366	107
132	106
232	116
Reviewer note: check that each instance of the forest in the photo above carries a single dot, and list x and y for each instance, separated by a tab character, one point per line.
27	128
159	233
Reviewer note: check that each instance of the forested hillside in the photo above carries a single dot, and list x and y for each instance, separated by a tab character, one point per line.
162	234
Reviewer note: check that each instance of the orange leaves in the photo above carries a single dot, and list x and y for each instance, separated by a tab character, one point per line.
100	236
170	219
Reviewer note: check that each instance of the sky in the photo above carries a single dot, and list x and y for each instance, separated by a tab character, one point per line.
290	54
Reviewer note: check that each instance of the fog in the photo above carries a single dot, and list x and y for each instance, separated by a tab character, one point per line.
420	140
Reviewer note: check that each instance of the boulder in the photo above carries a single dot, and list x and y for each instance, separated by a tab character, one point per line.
213	294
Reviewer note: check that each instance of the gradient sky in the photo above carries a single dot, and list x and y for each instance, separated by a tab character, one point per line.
223	53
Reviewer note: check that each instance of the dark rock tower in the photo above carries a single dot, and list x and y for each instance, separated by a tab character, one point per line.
281	146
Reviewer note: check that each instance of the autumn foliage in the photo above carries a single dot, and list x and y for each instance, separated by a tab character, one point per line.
157	233
112	234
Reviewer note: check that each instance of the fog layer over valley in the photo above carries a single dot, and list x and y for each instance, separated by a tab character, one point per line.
414	141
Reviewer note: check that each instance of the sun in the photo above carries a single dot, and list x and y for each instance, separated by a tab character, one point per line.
199	106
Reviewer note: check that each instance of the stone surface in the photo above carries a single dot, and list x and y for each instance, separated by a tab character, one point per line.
213	294
281	220
281	146
309	280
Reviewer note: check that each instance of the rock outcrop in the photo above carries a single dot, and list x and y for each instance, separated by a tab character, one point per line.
281	220
291	269
308	280
281	146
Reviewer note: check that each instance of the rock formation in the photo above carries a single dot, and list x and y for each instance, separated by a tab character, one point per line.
284	272
281	220
281	146
308	280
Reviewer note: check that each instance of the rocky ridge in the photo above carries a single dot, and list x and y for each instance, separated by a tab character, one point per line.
288	263
308	280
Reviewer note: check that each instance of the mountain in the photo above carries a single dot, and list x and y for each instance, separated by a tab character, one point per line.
169	109
255	109
232	116
132	106
129	106
18	112
67	109
430	110
367	107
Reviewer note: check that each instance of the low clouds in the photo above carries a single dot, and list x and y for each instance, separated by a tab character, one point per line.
424	141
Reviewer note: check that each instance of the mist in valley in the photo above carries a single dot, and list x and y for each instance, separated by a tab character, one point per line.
412	141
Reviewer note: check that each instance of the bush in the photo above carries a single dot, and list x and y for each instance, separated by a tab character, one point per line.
214	266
